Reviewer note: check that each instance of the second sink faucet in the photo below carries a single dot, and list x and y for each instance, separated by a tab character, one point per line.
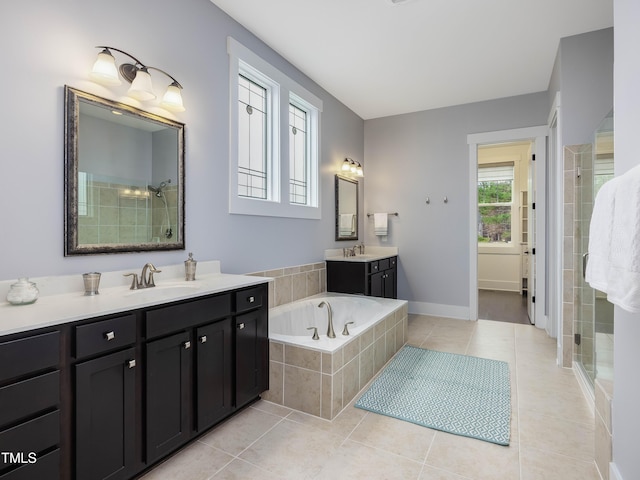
330	332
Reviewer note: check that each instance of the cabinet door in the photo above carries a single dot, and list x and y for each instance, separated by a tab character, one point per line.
376	284
213	373
105	416
252	355
168	376
390	283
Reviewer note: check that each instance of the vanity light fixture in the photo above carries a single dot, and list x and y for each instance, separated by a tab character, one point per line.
352	166
137	74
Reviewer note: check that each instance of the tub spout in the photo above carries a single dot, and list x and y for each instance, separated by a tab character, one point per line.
330	332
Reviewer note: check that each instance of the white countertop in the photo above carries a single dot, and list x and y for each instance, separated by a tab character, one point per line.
370	254
62	298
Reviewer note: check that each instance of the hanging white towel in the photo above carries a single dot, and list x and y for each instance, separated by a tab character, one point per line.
623	287
600	228
347	224
380	226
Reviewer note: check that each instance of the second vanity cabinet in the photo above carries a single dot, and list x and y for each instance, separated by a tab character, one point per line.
376	278
109	397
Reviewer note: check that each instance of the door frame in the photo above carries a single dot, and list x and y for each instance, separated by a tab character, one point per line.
538	136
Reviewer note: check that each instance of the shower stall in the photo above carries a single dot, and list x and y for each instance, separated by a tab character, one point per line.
592	313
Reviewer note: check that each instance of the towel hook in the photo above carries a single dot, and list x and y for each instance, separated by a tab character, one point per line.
446	200
427	201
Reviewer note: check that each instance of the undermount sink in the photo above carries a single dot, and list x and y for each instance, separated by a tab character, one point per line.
161	291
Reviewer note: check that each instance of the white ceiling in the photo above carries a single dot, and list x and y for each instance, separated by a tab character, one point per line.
381	59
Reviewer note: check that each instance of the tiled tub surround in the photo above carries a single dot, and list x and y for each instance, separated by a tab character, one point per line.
322	382
295	283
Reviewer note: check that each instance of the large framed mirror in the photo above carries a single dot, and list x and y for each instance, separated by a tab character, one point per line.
346	208
124	177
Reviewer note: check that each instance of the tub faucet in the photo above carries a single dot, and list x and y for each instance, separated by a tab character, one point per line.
146	279
330	332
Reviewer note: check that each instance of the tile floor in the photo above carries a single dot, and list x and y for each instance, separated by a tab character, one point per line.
551	436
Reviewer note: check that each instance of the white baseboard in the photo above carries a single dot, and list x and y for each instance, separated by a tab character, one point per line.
614	474
438	310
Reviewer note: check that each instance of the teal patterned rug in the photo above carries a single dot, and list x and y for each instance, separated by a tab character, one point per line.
464	395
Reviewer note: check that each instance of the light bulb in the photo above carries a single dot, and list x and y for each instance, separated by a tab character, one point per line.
104	69
141	88
172	99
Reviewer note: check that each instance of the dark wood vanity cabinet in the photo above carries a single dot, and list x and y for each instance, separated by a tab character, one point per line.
376	278
105	375
107	398
30	407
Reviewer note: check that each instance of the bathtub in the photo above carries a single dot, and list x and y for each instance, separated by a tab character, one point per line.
290	323
321	377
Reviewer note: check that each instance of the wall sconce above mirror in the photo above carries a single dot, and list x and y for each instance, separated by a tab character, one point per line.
353	167
124	178
137	74
346	208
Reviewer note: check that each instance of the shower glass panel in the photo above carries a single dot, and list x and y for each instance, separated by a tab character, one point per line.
594	319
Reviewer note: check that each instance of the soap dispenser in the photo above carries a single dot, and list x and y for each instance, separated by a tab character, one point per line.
190	268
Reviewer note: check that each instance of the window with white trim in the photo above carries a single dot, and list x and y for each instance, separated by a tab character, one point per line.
274	146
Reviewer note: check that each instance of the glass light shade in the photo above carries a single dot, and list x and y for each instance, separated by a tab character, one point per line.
359	171
345	165
172	99
104	70
353	168
141	88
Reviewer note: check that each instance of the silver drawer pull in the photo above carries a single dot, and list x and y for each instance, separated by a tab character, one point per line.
203	339
131	363
251	299
109	335
241	326
186	345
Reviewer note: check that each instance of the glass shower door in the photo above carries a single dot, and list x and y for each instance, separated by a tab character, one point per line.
594	319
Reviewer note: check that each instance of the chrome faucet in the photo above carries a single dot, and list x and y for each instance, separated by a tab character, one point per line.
146	279
330	332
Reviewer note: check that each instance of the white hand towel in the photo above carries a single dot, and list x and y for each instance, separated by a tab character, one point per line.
597	273
624	257
347	224
380	226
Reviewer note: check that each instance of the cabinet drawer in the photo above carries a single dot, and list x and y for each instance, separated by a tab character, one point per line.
105	335
250	298
33	436
46	467
374	267
165	320
383	264
27	355
393	261
27	397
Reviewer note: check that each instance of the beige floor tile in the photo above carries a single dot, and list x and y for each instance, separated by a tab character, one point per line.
342	425
568	405
241	470
539	465
293	450
474	458
556	435
354	461
196	462
272	408
240	431
430	473
493	352
445	344
402	438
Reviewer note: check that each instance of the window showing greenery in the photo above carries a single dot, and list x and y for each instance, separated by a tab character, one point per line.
495	202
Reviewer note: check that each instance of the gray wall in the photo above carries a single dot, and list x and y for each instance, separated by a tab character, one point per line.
583	72
52	44
626	395
425	154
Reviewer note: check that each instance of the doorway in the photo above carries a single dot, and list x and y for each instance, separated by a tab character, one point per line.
505	223
536	138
